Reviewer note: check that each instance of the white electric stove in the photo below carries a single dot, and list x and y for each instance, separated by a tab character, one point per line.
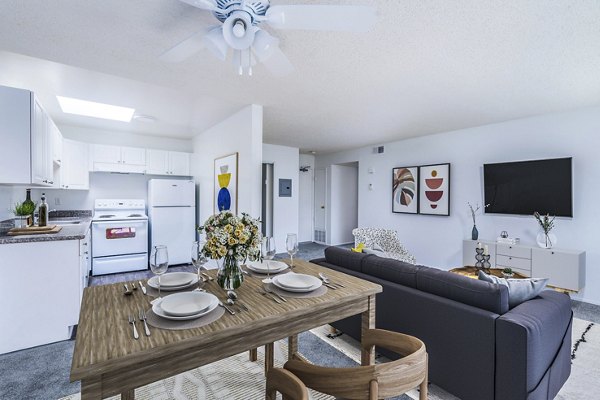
119	236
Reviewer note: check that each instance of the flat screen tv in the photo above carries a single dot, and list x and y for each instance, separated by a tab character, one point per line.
523	187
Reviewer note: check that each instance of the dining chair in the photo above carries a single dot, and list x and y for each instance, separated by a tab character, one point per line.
371	382
284	382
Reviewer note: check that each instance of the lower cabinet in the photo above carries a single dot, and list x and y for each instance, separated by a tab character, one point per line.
40	292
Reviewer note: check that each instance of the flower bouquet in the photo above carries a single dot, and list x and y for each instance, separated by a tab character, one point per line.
233	239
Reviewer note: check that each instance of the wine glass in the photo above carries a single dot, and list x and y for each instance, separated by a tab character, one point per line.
291	245
268	252
159	262
198	258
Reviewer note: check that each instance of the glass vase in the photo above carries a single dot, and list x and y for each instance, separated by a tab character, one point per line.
230	276
474	233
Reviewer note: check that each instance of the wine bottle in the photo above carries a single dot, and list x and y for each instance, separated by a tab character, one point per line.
30	203
43	211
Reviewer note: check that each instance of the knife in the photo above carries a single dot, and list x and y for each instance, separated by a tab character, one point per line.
142	287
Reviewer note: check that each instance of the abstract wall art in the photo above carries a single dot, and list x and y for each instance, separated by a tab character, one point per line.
405	190
434	189
226	183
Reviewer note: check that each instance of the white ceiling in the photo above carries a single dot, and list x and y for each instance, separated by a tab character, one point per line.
427	66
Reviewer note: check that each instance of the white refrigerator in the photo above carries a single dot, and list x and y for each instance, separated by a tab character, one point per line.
172	217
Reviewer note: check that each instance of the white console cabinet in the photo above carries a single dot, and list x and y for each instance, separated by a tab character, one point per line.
565	268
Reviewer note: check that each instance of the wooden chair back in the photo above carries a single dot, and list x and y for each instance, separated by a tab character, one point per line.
374	381
284	382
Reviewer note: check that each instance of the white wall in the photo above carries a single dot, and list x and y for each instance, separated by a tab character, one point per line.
286	162
241	133
98	136
437	241
306	199
343	208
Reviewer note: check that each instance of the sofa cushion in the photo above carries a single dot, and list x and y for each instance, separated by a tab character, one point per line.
473	292
345	258
392	270
519	290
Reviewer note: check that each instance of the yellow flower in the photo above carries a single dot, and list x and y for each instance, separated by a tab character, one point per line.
238	232
228	228
232	241
222	251
243	239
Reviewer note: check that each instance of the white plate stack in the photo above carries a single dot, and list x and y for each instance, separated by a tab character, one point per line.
264	267
174	281
298	283
185	306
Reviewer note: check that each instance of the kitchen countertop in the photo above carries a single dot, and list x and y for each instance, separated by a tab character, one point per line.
68	232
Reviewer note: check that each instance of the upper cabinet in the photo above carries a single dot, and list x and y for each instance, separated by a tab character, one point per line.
26	134
118	159
162	162
74	169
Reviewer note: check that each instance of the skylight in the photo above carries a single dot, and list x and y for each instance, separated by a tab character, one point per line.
97	110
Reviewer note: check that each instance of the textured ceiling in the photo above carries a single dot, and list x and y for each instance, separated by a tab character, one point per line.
426	67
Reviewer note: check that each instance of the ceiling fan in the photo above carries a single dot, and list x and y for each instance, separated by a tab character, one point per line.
240	30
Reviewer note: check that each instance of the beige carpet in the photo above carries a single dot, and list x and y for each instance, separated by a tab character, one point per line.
236	378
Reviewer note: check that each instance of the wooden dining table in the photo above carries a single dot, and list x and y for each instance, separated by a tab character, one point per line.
109	361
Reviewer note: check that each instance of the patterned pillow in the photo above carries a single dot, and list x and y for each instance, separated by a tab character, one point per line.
519	290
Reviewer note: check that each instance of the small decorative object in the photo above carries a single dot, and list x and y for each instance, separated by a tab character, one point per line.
434	189
22	213
486	261
545	239
231	239
508	273
474	231
405	190
504	234
479	256
226	183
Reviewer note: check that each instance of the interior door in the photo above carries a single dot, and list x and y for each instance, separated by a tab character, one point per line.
320	204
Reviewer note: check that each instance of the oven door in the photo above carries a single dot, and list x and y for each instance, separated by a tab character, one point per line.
112	238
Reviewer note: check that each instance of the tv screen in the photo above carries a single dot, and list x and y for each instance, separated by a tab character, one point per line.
525	187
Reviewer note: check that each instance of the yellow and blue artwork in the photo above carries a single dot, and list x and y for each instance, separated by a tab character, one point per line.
226	183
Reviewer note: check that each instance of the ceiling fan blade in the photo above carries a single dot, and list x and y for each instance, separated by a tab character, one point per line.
322	17
185	49
209	5
277	63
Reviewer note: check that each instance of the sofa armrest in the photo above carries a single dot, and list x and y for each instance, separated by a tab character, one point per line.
529	339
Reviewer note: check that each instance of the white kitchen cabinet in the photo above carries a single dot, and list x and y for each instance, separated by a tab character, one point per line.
106	158
162	162
179	163
74	172
57	145
40	293
25	134
85	263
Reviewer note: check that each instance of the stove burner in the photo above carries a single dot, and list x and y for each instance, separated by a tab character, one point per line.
107	216
135	215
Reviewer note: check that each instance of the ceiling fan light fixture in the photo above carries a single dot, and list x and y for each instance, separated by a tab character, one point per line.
264	44
238	23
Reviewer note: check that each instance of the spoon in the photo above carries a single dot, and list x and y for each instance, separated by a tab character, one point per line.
326	280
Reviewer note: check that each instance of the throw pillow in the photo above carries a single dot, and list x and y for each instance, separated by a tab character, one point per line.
359	248
519	290
378	253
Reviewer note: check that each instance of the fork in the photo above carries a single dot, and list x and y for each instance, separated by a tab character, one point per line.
132	322
143	318
328	281
270	296
273	293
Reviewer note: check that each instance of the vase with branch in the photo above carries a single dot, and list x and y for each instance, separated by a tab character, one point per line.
474	231
545	239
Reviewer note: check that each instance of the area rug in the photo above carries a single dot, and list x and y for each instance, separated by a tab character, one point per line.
236	378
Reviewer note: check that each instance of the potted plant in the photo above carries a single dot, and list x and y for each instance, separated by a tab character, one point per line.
22	212
545	239
508	273
233	240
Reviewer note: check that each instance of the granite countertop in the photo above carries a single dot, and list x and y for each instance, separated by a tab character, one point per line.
68	232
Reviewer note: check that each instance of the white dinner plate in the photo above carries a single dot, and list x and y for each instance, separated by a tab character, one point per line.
176	279
277	281
157	309
153	283
261	267
297	281
187	303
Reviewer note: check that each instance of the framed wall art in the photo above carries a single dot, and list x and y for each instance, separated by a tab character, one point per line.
226	183
405	190
434	189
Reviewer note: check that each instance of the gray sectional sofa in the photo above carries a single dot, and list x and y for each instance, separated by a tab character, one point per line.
479	349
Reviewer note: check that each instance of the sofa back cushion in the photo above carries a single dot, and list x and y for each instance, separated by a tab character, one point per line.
473	292
391	270
345	258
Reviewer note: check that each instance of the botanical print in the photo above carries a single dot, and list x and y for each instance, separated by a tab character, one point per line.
405	190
